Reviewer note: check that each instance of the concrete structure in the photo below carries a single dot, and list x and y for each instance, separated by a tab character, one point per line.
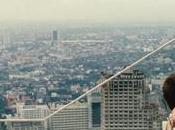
74	117
29	112
124	105
25	126
32	111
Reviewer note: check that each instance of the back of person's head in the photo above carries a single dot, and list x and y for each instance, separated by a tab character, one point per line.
169	91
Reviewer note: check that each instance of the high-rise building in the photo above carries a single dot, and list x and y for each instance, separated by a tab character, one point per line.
123	103
55	35
55	38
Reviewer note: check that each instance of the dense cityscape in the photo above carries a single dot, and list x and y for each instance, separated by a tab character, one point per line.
48	67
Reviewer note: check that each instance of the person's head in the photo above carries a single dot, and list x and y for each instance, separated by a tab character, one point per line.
169	91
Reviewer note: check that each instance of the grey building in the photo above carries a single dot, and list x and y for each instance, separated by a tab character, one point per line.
124	105
55	35
55	38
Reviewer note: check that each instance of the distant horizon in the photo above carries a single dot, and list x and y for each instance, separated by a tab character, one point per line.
83	24
87	11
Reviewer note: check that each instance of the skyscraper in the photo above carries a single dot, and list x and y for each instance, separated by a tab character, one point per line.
123	103
55	37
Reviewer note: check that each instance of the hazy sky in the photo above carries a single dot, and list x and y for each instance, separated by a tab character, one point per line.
103	11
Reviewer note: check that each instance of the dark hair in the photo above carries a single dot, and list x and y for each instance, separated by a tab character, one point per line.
169	91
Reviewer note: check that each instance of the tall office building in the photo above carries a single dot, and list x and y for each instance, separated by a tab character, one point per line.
55	38
55	35
123	103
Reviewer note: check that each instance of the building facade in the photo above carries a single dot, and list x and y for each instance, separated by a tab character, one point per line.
123	103
74	117
32	111
29	112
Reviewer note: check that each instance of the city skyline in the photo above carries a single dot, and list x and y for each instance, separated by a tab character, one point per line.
42	76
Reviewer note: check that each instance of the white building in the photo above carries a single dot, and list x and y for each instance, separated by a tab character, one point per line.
29	112
32	111
74	117
123	103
